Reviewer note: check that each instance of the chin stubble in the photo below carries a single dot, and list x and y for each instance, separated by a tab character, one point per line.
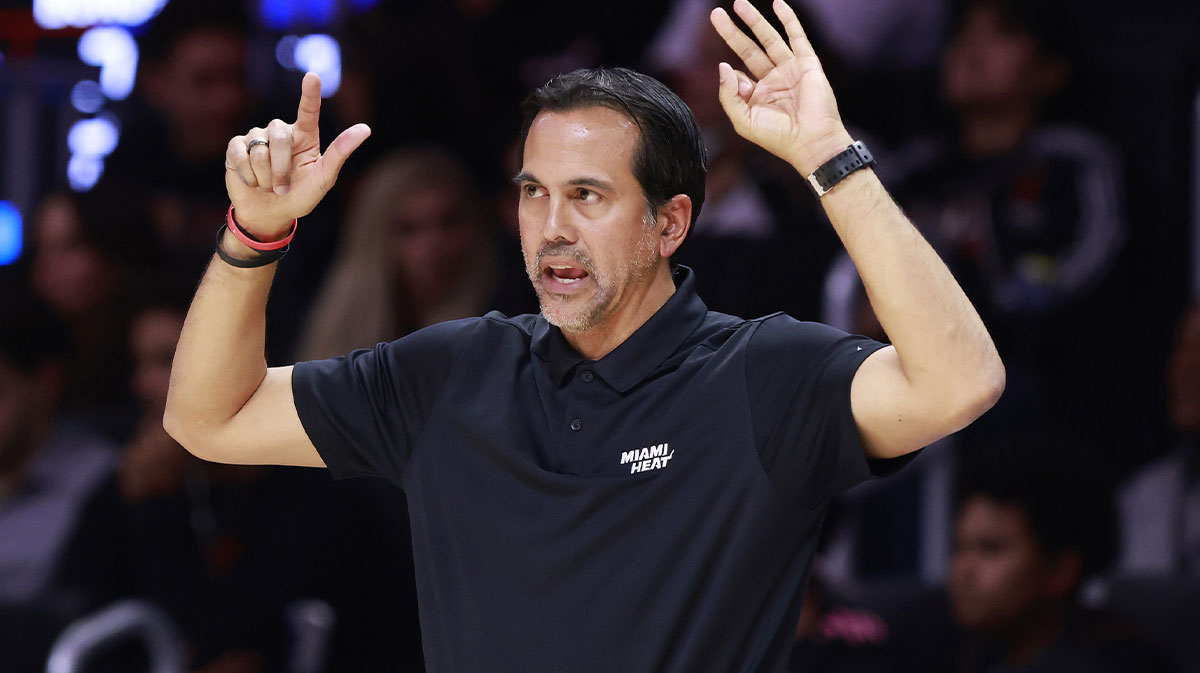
602	302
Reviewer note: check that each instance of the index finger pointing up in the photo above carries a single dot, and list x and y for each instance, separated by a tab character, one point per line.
310	104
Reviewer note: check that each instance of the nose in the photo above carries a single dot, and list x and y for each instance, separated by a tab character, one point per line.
559	226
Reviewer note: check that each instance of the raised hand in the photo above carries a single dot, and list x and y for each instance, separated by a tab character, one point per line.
272	183
788	107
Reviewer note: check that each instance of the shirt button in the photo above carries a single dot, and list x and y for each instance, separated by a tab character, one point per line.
587	376
576	424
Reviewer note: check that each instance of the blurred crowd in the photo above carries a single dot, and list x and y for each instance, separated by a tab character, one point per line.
1042	147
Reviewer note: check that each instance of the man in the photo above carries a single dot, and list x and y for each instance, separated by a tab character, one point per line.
625	481
1025	542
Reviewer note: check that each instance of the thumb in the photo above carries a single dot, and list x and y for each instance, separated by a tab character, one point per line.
729	93
331	162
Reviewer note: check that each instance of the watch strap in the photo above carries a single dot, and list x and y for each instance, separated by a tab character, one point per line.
843	163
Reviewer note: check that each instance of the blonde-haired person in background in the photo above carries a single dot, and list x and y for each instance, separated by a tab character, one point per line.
417	249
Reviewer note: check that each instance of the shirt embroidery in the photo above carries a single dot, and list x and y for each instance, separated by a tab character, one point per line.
650	458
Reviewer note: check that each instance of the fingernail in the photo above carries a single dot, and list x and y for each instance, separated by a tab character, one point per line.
721	72
281	189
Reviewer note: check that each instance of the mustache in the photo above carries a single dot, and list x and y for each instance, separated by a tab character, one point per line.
580	257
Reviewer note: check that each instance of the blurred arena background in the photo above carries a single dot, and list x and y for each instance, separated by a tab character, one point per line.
1048	149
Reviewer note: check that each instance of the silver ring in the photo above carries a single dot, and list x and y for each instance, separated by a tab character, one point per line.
256	142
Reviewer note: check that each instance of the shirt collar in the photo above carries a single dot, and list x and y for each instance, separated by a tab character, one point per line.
639	355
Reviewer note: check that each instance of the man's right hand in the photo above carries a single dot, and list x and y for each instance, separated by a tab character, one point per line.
271	185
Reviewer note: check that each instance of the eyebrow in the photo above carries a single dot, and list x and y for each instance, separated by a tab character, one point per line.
523	177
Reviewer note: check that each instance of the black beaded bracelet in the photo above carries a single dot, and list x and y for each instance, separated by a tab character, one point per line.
263	258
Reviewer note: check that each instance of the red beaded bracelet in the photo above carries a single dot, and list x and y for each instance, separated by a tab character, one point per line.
253	243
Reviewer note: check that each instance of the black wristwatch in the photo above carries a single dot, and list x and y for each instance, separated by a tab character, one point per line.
842	164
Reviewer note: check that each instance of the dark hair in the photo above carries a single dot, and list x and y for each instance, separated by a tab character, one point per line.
670	157
1067	503
1056	39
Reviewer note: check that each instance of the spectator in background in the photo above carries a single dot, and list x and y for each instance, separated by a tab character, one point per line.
192	82
417	249
152	464
88	251
1031	210
193	94
224	549
60	537
1160	505
1026	210
1032	525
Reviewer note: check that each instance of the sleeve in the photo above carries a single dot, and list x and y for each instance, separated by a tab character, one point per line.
365	411
798	376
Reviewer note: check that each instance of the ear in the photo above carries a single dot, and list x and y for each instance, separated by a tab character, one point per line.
674	224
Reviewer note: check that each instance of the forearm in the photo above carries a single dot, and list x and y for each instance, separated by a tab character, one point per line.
944	349
220	360
224	404
943	370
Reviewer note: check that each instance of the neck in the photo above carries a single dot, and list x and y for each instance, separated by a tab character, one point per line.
991	133
1033	639
638	304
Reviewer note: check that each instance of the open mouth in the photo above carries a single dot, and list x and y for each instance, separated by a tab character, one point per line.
566	274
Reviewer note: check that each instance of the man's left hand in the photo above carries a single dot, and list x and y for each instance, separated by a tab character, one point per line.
788	107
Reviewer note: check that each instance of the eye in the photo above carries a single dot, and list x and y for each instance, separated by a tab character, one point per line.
531	190
587	196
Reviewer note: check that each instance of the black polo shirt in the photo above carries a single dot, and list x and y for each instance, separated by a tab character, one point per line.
655	510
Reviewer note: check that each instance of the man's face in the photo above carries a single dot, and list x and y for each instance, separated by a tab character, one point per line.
201	89
991	64
582	214
998	572
69	273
